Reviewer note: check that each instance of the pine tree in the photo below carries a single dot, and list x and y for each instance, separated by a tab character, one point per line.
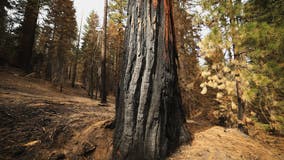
187	37
117	12
224	59
243	59
262	41
116	27
91	50
62	24
73	69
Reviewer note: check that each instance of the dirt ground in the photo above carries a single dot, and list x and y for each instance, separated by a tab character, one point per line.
217	143
38	122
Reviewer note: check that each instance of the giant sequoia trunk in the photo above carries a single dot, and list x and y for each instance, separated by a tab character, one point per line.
149	115
28	35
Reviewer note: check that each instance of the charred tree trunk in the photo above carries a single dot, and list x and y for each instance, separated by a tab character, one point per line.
240	102
28	34
48	70
60	69
74	69
70	71
91	81
97	86
103	59
149	116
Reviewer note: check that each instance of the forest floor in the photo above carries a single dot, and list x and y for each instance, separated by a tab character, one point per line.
38	122
217	143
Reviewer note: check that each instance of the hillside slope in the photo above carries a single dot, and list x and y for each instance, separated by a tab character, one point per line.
39	122
217	143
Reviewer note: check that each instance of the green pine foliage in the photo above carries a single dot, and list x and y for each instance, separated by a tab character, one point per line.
243	55
91	53
263	42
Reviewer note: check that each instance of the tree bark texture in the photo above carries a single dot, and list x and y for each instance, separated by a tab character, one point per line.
28	34
149	116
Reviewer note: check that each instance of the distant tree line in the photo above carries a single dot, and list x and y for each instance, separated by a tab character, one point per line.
43	37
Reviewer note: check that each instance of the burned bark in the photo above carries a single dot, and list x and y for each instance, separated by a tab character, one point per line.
28	35
149	116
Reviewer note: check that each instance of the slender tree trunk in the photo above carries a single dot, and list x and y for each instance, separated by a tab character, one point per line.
238	90
62	77
97	86
118	61
240	102
84	75
28	35
149	116
60	69
48	70
91	81
74	70
103	58
70	71
237	56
